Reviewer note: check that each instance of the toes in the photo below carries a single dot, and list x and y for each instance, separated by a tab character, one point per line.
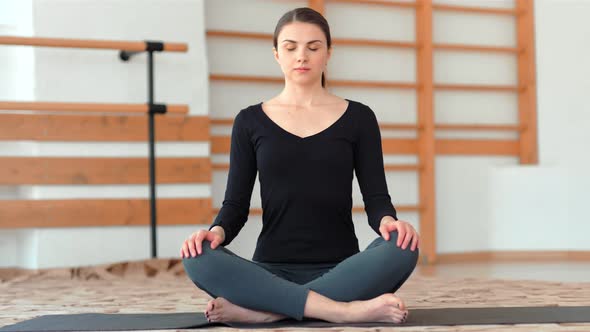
404	317
210	306
397	301
398	317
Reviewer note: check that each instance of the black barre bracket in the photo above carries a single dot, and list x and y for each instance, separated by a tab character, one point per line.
154	46
157	108
150	46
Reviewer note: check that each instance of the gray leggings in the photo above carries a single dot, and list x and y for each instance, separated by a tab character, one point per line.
282	288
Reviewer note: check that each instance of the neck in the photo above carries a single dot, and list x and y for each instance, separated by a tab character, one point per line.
302	95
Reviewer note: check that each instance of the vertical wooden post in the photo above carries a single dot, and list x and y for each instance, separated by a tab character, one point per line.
527	98
320	7
317	5
426	140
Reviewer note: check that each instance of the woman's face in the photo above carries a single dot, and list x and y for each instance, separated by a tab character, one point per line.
302	45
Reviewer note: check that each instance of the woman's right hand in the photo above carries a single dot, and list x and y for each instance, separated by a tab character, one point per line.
193	246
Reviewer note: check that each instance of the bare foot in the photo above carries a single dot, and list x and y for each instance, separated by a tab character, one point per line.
383	308
221	310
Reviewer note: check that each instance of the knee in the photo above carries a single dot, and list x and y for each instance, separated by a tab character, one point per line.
407	256
201	264
201	269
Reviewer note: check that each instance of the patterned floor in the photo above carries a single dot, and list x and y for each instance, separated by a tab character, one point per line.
160	285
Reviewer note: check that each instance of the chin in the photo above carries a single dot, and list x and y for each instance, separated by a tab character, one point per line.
306	80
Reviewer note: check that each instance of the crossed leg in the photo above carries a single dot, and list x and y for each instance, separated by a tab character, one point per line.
357	289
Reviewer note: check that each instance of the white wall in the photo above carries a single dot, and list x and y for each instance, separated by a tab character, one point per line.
483	203
544	207
16	83
63	74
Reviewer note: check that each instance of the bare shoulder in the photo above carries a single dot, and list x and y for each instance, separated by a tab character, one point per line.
272	104
336	100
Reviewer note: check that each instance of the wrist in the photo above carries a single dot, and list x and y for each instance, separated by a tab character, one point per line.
386	219
219	230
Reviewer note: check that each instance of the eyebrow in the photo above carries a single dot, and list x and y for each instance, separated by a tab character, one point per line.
309	42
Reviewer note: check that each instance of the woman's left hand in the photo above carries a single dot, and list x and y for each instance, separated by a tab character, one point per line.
405	230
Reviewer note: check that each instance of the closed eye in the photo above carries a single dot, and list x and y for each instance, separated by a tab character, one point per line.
311	49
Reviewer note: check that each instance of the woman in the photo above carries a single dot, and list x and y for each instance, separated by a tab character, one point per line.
305	144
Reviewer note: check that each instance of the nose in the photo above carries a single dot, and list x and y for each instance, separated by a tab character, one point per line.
302	56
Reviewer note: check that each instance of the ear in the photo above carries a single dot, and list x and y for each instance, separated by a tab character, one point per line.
329	52
276	54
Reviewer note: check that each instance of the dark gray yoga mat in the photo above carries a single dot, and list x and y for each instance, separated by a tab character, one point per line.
186	320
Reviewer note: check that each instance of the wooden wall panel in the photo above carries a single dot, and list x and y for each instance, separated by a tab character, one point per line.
104	128
102	212
56	170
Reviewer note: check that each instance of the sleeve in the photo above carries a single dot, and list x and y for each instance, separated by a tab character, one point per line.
242	173
369	170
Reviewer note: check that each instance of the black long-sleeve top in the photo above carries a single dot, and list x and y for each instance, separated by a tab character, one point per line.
305	185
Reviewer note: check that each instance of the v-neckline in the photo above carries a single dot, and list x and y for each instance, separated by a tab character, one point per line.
264	115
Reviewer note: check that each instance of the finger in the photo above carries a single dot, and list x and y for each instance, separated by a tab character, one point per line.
384	232
215	243
185	250
407	240
415	242
199	242
214	238
390	227
191	246
401	232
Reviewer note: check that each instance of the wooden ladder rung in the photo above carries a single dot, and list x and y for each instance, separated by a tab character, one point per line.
254	211
388	167
347	83
479	87
481	127
477	10
402	167
398	4
409	126
476	48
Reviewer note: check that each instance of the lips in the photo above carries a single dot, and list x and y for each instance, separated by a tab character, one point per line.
302	69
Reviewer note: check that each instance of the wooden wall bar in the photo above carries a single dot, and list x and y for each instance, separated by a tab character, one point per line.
102	212
104	128
425	146
408	146
92	170
527	100
426	141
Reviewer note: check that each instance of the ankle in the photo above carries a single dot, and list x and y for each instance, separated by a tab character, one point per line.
350	312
